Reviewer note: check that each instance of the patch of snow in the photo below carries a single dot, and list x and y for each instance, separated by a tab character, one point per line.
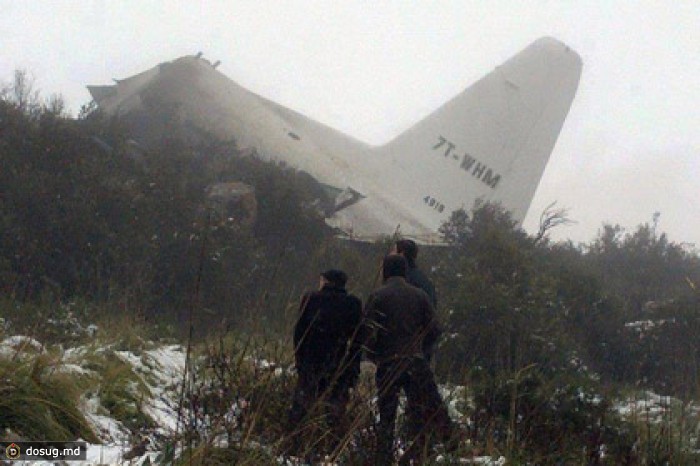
161	370
489	461
455	398
22	342
168	366
130	358
7	353
69	368
482	460
649	406
266	366
107	429
98	455
74	354
642	326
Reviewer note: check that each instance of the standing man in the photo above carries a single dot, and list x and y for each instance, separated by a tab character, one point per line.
415	276
327	352
399	330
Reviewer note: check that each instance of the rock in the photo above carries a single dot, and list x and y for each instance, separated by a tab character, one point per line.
233	203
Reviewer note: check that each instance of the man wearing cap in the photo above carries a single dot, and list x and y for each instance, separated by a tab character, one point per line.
400	328
327	352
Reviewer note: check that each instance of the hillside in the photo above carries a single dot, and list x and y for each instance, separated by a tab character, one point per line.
119	259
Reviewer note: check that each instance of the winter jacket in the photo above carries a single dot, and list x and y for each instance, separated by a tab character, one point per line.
325	336
399	322
416	277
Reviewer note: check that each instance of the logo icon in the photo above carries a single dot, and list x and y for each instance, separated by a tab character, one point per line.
13	451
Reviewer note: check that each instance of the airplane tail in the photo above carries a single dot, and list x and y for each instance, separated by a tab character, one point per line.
490	142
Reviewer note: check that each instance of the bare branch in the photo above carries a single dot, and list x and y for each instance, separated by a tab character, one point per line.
550	219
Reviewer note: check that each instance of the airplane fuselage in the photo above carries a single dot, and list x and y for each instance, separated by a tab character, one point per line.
491	142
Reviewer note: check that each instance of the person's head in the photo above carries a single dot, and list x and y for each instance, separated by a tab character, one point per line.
334	277
408	249
394	265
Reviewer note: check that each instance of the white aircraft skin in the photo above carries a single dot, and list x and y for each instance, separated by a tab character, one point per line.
490	142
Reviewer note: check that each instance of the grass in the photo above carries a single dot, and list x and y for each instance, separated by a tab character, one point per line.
39	403
43	389
239	390
666	429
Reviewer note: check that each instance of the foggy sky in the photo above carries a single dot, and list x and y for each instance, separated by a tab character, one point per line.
630	147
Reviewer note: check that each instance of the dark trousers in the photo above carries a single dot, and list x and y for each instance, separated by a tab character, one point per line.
426	413
318	394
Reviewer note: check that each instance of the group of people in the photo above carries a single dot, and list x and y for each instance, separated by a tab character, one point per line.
397	331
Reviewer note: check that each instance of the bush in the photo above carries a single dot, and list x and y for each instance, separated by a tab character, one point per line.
40	403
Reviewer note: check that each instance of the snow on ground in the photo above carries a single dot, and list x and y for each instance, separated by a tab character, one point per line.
97	455
647	406
264	365
159	369
480	460
110	454
105	427
456	400
644	326
169	368
486	461
14	346
653	409
68	368
20	342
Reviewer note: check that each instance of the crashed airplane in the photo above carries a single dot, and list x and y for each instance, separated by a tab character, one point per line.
490	142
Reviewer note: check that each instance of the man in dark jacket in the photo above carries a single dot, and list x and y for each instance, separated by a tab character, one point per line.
400	329
415	276
327	352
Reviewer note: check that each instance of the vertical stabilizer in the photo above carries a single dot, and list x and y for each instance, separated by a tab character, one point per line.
492	141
